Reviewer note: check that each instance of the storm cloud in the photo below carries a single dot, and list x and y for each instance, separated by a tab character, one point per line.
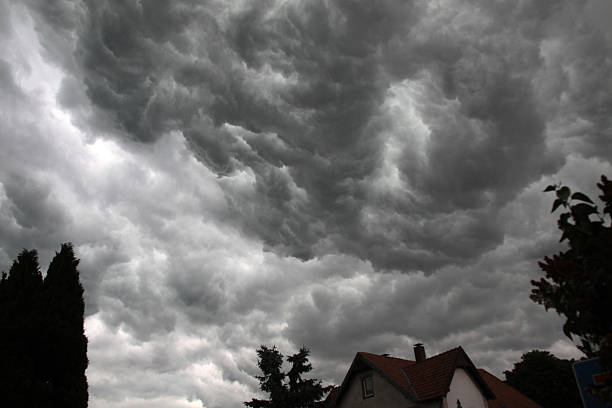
317	101
348	175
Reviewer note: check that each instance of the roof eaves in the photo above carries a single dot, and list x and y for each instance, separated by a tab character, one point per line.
471	368
451	372
506	390
347	377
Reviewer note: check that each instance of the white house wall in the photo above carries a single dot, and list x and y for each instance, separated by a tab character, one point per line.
463	388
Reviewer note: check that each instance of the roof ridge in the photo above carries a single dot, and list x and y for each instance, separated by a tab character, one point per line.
433	358
405	359
424	380
446	352
383	356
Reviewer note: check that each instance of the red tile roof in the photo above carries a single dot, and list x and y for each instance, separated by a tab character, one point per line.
507	397
421	381
392	367
430	378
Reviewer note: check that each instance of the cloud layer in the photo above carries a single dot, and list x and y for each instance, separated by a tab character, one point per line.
348	175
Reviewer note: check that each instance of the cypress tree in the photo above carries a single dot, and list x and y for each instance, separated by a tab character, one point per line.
66	360
21	379
42	339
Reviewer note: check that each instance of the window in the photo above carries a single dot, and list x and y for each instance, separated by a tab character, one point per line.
367	386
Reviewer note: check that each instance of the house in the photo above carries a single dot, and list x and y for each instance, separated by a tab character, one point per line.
447	380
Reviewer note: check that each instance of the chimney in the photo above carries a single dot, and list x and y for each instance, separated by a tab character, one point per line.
419	353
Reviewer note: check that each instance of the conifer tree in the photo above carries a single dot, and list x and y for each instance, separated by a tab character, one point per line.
272	379
42	340
303	392
297	392
67	354
22	305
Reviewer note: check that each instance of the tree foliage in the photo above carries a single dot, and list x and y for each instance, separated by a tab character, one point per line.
21	305
546	379
578	281
287	390
42	340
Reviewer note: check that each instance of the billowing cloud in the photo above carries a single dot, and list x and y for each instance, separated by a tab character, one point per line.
318	102
345	175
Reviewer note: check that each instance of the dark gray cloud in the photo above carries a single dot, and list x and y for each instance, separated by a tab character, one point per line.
295	94
344	175
310	79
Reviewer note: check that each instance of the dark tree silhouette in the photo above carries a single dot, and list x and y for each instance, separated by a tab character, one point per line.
578	281
294	393
21	379
546	379
67	354
42	341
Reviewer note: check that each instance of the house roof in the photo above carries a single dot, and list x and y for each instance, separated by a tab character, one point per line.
507	397
420	381
392	368
432	377
330	400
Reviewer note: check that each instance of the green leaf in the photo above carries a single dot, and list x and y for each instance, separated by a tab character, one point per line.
551	187
556	204
564	193
581	197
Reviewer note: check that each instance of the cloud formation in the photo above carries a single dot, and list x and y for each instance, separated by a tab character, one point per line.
348	175
318	102
300	97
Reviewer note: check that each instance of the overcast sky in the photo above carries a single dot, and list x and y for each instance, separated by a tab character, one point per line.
347	175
